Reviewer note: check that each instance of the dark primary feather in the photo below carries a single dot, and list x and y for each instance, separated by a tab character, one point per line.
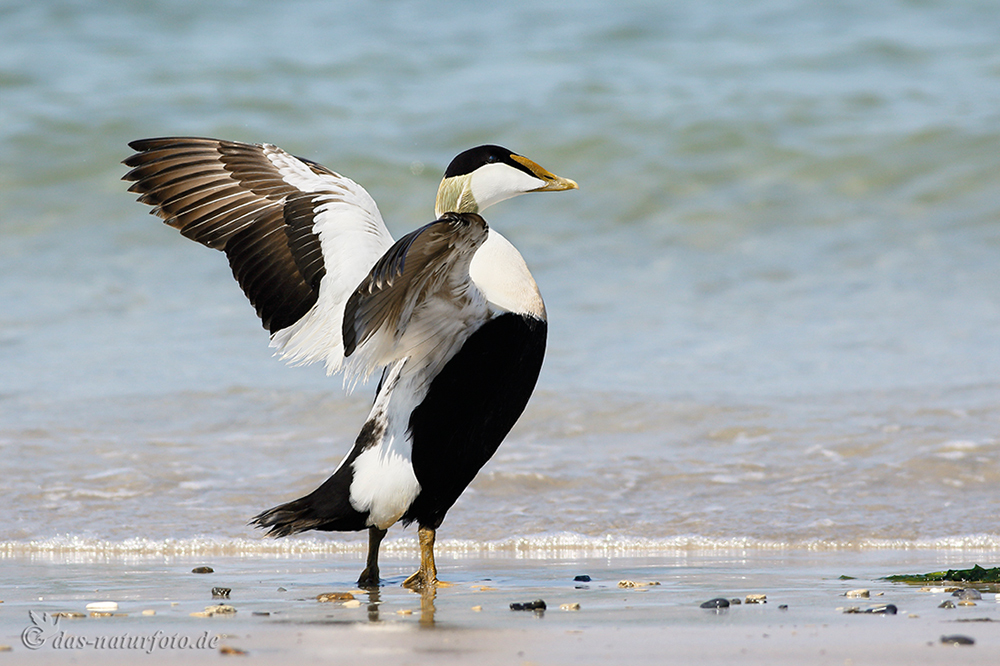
229	196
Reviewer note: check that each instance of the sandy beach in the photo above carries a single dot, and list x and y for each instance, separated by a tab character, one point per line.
659	620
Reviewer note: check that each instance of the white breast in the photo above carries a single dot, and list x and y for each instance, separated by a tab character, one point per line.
499	271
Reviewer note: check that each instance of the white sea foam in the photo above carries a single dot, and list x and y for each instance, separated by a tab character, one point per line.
563	545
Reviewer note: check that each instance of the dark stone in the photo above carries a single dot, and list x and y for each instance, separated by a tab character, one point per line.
783	607
957	639
718	602
202	570
967	593
221	592
947	603
584	578
735	602
536	605
885	609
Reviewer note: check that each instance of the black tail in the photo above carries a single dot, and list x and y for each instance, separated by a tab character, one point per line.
290	518
328	508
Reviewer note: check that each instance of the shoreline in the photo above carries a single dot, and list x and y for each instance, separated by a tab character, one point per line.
277	615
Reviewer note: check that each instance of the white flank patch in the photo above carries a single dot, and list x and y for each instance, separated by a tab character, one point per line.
384	483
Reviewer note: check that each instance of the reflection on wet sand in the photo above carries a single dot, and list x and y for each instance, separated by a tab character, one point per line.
428	594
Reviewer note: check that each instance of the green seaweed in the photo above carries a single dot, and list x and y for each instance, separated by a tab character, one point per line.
976	574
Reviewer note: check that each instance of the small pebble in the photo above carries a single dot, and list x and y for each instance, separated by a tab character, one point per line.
536	605
957	639
583	578
756	599
968	593
735	602
857	594
947	603
221	592
353	603
226	649
149	612
202	570
783	607
718	602
335	596
103	614
966	602
281	589
474	608
407	611
68	614
569	607
103	606
210	611
632	583
261	613
5	648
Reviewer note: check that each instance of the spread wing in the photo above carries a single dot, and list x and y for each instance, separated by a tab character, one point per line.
418	300
299	237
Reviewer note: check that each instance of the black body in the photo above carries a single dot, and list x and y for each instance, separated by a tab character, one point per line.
470	407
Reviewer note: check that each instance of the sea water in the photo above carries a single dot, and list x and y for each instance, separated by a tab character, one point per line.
774	302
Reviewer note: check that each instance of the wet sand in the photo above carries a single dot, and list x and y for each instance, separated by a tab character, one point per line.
278	617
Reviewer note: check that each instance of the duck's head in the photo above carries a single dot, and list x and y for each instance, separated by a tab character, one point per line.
485	175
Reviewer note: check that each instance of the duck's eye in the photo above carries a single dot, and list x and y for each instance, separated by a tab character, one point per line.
492	158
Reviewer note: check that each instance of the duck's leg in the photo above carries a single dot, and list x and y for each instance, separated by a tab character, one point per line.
369	577
426	576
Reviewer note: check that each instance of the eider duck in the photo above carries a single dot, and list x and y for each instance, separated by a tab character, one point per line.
449	315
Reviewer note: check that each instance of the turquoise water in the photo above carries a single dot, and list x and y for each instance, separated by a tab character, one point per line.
774	302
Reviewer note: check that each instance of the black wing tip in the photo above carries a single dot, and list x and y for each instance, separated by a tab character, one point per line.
146	145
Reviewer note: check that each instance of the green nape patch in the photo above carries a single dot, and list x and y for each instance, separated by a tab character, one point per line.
976	574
